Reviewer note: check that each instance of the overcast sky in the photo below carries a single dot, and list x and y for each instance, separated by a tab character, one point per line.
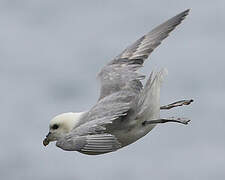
50	53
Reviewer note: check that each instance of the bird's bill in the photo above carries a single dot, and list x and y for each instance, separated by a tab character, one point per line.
45	142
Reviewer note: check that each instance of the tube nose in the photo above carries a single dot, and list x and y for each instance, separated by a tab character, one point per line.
48	134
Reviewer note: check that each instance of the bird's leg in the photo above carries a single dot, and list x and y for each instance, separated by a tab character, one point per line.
165	120
177	103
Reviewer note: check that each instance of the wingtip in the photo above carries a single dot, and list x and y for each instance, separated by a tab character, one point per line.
181	16
186	12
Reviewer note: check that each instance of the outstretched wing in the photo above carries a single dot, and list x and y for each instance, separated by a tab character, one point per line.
120	73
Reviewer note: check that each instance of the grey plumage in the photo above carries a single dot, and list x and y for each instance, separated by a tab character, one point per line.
123	104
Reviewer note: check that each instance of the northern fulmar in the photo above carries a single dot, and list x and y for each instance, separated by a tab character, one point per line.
126	110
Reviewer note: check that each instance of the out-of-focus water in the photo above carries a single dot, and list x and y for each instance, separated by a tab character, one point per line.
50	53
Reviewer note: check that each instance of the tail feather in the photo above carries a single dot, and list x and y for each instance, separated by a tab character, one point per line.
149	104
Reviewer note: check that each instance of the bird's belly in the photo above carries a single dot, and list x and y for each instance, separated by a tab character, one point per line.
129	136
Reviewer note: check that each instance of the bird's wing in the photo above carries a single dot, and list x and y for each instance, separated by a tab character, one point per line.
90	144
120	73
93	136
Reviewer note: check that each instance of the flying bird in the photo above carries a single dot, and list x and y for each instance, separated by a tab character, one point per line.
126	110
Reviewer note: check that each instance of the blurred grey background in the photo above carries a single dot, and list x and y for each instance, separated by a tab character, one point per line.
50	53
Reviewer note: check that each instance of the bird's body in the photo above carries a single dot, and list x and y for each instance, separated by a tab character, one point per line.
125	110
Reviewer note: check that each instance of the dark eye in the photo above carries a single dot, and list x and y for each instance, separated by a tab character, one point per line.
55	126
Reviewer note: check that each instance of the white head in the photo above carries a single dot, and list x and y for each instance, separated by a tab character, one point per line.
61	125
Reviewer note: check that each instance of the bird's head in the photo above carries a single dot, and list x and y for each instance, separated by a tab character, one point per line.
61	125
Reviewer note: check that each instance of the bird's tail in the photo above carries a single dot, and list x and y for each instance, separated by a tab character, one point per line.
148	103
